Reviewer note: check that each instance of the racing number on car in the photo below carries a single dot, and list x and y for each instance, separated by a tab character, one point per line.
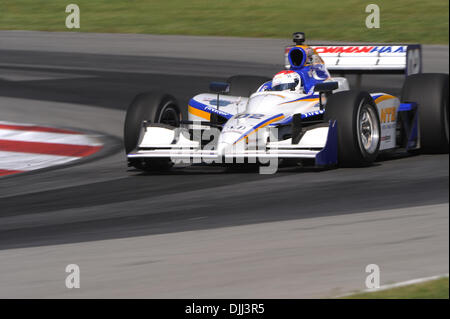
250	116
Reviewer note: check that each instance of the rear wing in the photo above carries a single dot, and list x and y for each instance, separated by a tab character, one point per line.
365	59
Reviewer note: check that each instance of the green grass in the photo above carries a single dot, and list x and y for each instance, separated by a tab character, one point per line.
401	20
434	289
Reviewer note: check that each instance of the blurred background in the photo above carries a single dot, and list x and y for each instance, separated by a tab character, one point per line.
205	232
402	20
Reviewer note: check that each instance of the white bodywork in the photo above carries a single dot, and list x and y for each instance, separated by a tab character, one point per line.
260	125
252	118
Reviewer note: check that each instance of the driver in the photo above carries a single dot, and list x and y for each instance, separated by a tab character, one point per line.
287	80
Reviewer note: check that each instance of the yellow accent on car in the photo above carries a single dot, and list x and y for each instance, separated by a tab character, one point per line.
305	100
199	113
264	125
388	115
384	98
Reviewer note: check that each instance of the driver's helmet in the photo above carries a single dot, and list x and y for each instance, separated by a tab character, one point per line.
286	80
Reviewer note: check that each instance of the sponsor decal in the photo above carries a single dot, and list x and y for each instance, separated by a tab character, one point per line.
221	102
204	111
235	129
214	110
319	112
360	49
387	115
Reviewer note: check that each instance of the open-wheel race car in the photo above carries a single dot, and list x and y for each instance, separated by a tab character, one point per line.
302	114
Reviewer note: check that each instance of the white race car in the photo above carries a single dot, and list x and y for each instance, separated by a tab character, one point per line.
303	114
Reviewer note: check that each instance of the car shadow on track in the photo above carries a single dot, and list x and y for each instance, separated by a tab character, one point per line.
394	156
220	170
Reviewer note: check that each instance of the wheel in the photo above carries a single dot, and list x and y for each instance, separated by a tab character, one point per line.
245	85
155	108
430	92
358	126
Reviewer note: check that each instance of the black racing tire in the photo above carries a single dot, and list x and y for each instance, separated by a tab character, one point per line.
152	107
358	126
430	92
155	108
245	85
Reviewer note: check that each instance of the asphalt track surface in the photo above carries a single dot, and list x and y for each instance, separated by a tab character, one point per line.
199	231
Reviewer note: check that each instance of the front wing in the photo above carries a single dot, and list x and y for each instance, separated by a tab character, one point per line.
161	142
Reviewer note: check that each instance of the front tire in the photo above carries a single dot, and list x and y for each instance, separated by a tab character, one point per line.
430	92
155	108
358	126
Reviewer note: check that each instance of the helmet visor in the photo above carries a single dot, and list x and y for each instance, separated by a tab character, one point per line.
285	86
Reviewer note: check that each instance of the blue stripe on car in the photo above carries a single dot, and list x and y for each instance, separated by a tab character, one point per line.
209	109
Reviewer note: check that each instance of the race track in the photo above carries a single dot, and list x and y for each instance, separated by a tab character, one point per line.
197	232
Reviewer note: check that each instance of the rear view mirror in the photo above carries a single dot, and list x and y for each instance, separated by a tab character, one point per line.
326	86
219	87
325	89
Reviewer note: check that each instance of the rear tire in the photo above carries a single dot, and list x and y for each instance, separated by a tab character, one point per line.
155	108
358	126
245	85
430	92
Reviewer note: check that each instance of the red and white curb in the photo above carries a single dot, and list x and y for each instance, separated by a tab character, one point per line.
27	147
